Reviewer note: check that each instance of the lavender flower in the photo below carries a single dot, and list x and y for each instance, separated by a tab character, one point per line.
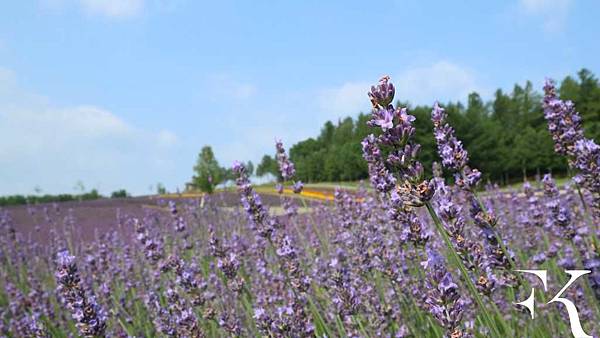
455	157
252	203
381	178
183	318
286	167
227	262
163	321
36	328
346	296
297	187
442	298
451	216
89	317
263	321
152	246
399	177
587	162
271	230
188	279
593	264
565	126
486	221
560	217
564	122
451	150
382	94
449	147
535	212
178	221
470	252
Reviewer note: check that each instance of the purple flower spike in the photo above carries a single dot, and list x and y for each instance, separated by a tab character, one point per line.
398	178
443	299
89	317
451	150
564	122
382	94
286	167
560	216
565	126
298	187
252	203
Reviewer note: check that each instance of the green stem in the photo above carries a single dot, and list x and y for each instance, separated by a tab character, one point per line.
585	207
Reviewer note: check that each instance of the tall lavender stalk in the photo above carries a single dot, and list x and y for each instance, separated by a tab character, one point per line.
583	154
286	167
456	158
90	318
399	176
288	171
451	150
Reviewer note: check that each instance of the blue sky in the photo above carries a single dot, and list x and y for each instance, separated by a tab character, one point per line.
124	93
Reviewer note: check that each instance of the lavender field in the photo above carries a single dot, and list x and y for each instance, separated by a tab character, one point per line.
409	256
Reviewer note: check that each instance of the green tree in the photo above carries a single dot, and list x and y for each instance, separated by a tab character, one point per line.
208	173
250	168
121	193
308	157
268	165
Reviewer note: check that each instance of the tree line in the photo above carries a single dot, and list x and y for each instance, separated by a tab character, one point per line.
506	136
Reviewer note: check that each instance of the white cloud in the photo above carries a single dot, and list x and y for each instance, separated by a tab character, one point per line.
553	13
442	81
31	131
347	99
53	147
